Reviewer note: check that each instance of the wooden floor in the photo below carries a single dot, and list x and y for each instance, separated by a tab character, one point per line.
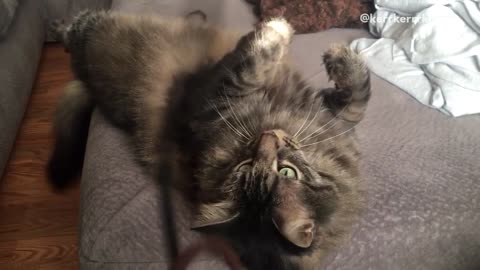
38	228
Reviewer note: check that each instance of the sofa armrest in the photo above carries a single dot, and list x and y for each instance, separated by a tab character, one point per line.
20	51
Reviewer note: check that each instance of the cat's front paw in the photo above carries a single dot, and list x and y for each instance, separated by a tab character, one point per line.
278	29
344	66
273	36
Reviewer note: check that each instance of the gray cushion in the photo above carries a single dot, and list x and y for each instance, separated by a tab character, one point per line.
121	224
423	192
65	9
228	13
7	11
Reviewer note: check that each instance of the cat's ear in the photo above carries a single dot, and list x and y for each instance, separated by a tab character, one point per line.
295	226
214	214
291	216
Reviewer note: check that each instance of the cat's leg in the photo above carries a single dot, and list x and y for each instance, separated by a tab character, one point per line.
257	58
347	69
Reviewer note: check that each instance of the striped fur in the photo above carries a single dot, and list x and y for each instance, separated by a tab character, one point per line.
234	112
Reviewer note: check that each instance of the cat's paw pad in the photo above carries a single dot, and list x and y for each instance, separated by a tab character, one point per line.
273	33
343	64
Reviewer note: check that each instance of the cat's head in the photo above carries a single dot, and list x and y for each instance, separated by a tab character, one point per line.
279	182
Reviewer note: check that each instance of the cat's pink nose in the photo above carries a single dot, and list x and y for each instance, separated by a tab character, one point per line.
268	146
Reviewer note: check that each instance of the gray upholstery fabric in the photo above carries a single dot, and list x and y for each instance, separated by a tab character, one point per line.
20	51
63	9
66	9
79	5
228	13
19	55
7	12
422	168
120	216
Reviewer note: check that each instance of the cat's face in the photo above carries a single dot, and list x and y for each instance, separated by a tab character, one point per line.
279	185
271	186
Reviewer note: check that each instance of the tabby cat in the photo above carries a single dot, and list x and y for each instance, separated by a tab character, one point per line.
273	160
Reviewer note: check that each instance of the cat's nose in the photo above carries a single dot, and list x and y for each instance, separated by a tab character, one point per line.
268	146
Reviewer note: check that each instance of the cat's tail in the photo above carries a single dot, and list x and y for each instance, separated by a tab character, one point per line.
71	131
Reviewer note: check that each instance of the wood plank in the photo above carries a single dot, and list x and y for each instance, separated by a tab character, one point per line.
38	227
41	253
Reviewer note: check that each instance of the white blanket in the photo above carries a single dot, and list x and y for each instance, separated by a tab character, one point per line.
430	49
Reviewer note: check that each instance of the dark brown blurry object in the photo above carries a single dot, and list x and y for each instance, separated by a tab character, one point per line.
308	16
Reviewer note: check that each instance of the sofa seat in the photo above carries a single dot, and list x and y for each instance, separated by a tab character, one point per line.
421	166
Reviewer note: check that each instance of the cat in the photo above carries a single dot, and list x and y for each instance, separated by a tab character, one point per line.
273	161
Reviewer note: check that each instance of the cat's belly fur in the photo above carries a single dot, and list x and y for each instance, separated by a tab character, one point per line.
130	63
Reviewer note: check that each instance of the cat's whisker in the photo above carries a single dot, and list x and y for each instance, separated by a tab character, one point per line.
304	122
251	125
313	119
236	131
230	73
236	118
244	60
327	129
330	138
309	79
322	127
317	130
242	130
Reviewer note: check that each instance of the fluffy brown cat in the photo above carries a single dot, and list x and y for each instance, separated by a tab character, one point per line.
273	160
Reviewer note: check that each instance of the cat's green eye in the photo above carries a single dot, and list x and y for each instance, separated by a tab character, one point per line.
288	172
